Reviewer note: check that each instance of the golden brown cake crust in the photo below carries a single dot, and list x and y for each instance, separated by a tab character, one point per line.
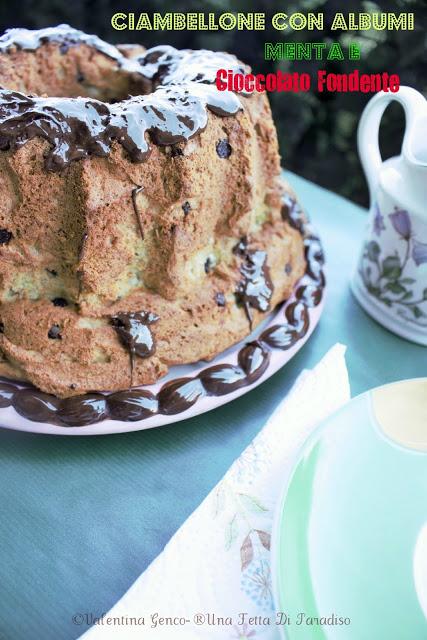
172	236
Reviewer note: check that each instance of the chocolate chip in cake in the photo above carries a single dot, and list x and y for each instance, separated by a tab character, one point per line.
1	327
5	236
52	272
223	148
240	248
176	151
80	77
288	268
73	386
186	207
64	46
208	265
60	302
55	332
220	299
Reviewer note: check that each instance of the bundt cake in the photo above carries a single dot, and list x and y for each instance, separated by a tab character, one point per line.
141	211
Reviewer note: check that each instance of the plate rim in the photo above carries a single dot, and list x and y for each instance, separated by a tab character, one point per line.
111	427
293	463
301	310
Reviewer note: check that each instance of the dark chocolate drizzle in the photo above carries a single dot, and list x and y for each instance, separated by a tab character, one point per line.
166	65
180	394
254	291
293	214
220	299
63	34
134	332
183	91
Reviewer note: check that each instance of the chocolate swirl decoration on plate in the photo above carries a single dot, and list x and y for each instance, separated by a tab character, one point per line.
176	396
180	93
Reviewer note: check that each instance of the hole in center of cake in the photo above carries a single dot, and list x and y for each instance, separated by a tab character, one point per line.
78	73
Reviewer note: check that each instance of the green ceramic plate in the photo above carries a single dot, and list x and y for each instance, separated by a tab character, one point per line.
350	541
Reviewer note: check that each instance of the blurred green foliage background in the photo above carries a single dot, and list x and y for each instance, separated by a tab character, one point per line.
317	132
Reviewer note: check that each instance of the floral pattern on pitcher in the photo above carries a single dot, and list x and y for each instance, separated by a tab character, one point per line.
386	277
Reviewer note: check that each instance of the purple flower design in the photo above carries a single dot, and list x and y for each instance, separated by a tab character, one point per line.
419	252
401	222
378	221
389	278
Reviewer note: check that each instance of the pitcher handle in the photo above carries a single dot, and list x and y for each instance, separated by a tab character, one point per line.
367	135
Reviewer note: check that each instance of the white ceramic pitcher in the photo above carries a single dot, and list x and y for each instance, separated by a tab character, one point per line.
390	281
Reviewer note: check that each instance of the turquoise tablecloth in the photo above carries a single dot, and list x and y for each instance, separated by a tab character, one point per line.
81	518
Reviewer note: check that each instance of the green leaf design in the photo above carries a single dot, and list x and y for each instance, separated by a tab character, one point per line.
251	504
391	286
418	313
395	287
373	250
391	268
374	291
219	501
231	532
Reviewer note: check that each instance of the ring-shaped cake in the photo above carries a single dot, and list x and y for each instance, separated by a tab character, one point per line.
143	219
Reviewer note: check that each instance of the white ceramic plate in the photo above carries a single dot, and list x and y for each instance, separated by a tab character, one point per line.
277	358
